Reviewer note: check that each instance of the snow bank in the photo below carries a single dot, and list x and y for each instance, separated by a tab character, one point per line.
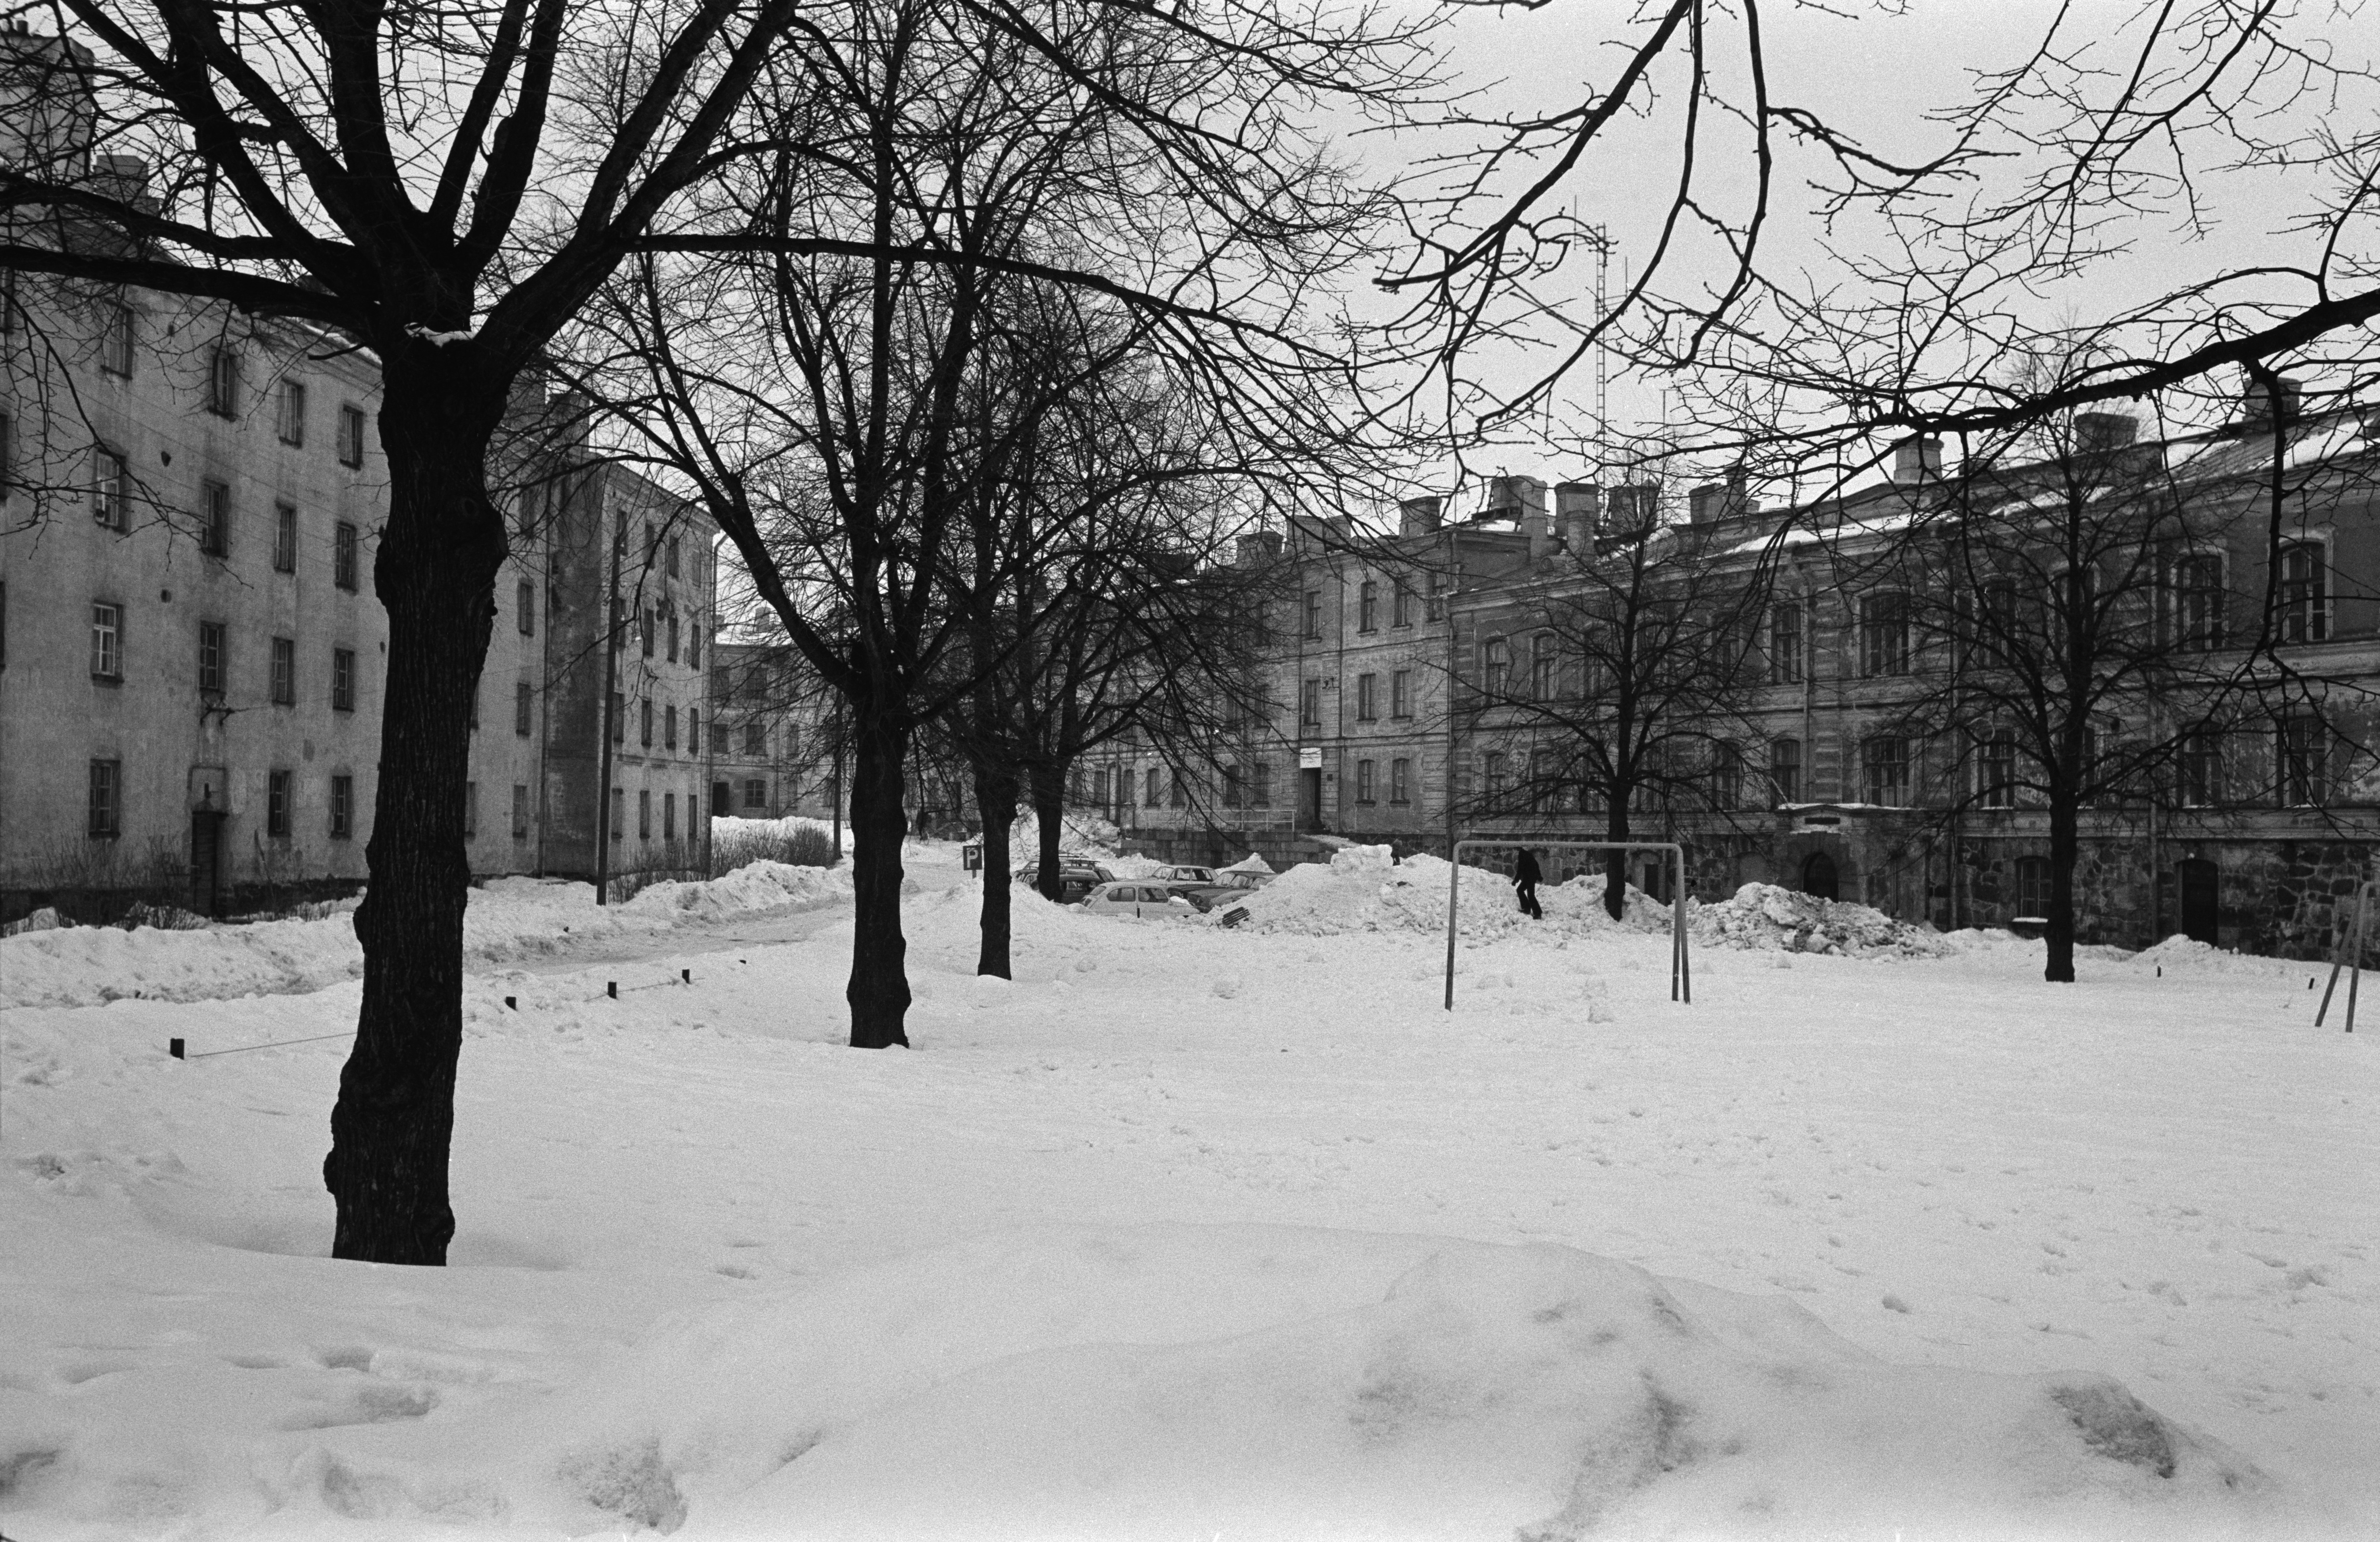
2182	955
1252	1382
507	919
1768	916
1359	890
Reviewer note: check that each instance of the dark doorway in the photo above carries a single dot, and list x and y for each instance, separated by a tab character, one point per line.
1818	875
206	860
2198	899
722	797
1309	798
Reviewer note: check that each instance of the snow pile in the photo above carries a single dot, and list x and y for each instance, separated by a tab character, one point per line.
509	918
1081	830
1255	1381
1765	915
1358	891
2182	955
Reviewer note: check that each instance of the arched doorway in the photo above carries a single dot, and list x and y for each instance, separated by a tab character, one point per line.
1818	875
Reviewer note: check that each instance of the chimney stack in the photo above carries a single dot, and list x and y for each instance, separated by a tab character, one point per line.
1636	509
1419	516
1917	458
1514	498
2256	402
2096	432
1578	507
1257	548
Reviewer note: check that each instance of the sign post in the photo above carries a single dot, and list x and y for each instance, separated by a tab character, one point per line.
971	856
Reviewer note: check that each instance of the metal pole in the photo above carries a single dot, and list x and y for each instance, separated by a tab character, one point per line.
610	695
1453	893
1681	986
2355	960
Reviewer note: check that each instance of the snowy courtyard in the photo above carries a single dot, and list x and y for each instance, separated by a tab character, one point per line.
1195	1233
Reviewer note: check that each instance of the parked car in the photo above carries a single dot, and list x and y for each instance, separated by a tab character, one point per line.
1244	883
1181	876
1141	897
1077	877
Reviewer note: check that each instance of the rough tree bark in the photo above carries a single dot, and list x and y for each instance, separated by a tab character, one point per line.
1048	786
2065	846
434	574
1615	862
996	791
879	991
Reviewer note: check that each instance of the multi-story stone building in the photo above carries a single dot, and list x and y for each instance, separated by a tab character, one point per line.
771	739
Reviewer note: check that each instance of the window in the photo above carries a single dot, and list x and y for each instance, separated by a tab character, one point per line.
1149	788
647	633
276	802
1260	785
2198	595
2200	767
693	733
107	641
1367	695
669	726
1883	634
672	635
1785	768
756	793
289	412
343	807
1400	694
285	671
1309	703
110	493
1401	606
644	814
1726	776
669	816
1886	763
1367	606
1232	794
285	538
520	811
1541	779
669	563
1436	608
1363	789
212	643
1401	781
351	434
524	708
756	739
619	718
2033	887
470	809
645	727
525	609
343	679
621	622
1495	665
215	519
1179	794
718	737
1495	778
223	383
1995	771
2306	592
1314	612
2305	761
1075	785
1541	667
1785	644
106	819
343	555
693	648
619	814
1100	788
119	326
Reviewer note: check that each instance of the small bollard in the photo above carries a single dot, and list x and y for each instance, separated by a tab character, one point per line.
173	1047
611	989
685	976
512	1001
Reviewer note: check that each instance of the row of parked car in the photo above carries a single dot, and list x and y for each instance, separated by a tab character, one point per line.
1180	891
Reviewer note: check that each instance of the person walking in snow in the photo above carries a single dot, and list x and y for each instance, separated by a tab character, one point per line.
1526	874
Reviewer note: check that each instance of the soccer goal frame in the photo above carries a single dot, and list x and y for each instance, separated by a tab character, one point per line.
1682	979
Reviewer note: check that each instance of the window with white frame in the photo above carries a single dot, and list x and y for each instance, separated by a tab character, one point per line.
2197	594
106	640
1401	781
1785	768
110	496
1995	769
104	817
1785	643
2305	592
1884	633
2200	768
222	382
289	411
1884	762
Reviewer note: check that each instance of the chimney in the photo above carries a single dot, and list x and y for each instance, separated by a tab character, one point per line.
1708	504
2097	432
1917	458
1514	498
2256	402
1636	509
1419	516
1257	548
1577	509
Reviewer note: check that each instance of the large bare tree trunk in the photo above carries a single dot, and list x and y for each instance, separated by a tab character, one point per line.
434	574
2065	846
995	798
879	991
1049	782
1615	862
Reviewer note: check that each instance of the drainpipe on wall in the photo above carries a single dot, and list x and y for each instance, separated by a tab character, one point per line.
612	641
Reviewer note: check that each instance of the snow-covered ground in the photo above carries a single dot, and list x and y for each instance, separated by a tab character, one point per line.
1197	1232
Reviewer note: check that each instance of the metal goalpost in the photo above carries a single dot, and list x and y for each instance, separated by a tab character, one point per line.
1682	983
